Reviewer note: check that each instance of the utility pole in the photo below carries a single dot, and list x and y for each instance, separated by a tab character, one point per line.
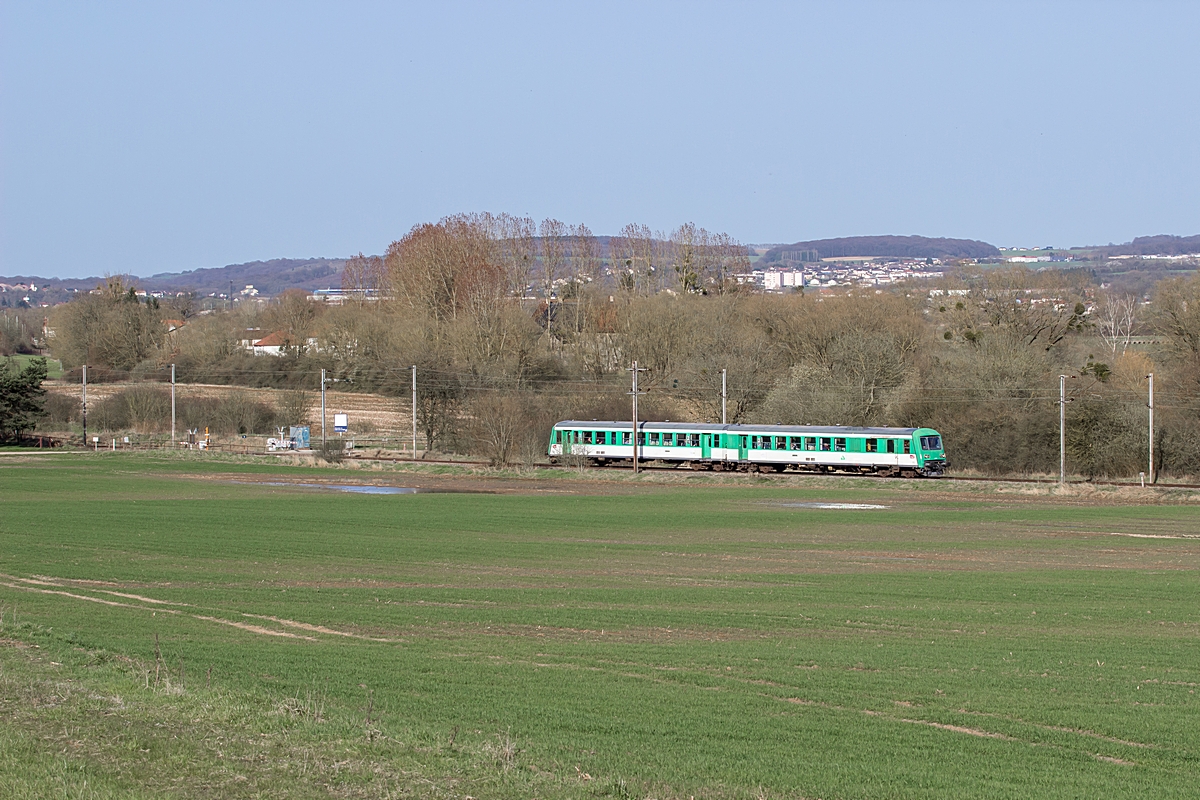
1062	428
85	405
172	406
724	396
635	370
1151	406
322	410
414	410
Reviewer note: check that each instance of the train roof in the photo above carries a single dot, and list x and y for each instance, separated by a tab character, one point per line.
843	430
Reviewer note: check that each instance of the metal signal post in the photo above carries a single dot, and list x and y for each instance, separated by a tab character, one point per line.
635	370
724	396
1151	406
414	410
1062	427
322	410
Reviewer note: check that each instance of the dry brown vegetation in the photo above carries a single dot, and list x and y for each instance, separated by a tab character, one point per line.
510	330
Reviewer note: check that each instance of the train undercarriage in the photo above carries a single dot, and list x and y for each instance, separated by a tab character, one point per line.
931	470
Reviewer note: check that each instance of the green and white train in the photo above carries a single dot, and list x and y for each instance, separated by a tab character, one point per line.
907	452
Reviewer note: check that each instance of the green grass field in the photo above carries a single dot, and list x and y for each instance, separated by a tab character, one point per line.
570	637
54	368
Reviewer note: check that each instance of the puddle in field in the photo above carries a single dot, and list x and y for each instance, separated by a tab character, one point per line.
837	506
355	488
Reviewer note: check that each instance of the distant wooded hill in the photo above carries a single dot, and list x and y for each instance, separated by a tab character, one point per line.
269	277
880	246
1163	245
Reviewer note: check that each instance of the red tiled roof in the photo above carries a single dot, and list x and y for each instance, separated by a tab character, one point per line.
276	339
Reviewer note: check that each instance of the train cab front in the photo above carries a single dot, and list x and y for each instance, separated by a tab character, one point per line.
931	455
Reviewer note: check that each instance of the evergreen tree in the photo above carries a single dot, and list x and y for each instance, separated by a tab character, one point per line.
22	398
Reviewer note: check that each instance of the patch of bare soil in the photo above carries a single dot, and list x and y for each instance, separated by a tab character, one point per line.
317	628
944	727
246	626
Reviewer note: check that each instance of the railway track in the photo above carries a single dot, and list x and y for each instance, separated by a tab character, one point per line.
662	468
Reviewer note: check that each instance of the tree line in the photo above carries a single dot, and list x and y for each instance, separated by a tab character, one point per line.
513	324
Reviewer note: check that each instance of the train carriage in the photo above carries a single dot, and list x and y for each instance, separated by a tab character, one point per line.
907	452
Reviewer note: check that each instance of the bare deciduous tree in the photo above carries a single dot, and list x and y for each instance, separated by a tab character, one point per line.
444	268
1177	312
635	255
586	262
687	245
518	251
363	277
554	254
1115	317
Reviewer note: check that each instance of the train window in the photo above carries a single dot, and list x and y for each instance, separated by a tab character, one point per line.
794	443
906	443
587	437
624	437
693	440
872	446
558	437
744	441
891	445
826	444
839	445
781	443
641	438
931	443
810	443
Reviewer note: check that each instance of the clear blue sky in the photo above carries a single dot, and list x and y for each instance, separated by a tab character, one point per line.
160	136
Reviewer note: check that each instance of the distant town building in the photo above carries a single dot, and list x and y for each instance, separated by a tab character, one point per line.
782	280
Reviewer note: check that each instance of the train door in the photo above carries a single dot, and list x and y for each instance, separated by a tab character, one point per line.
743	448
706	445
